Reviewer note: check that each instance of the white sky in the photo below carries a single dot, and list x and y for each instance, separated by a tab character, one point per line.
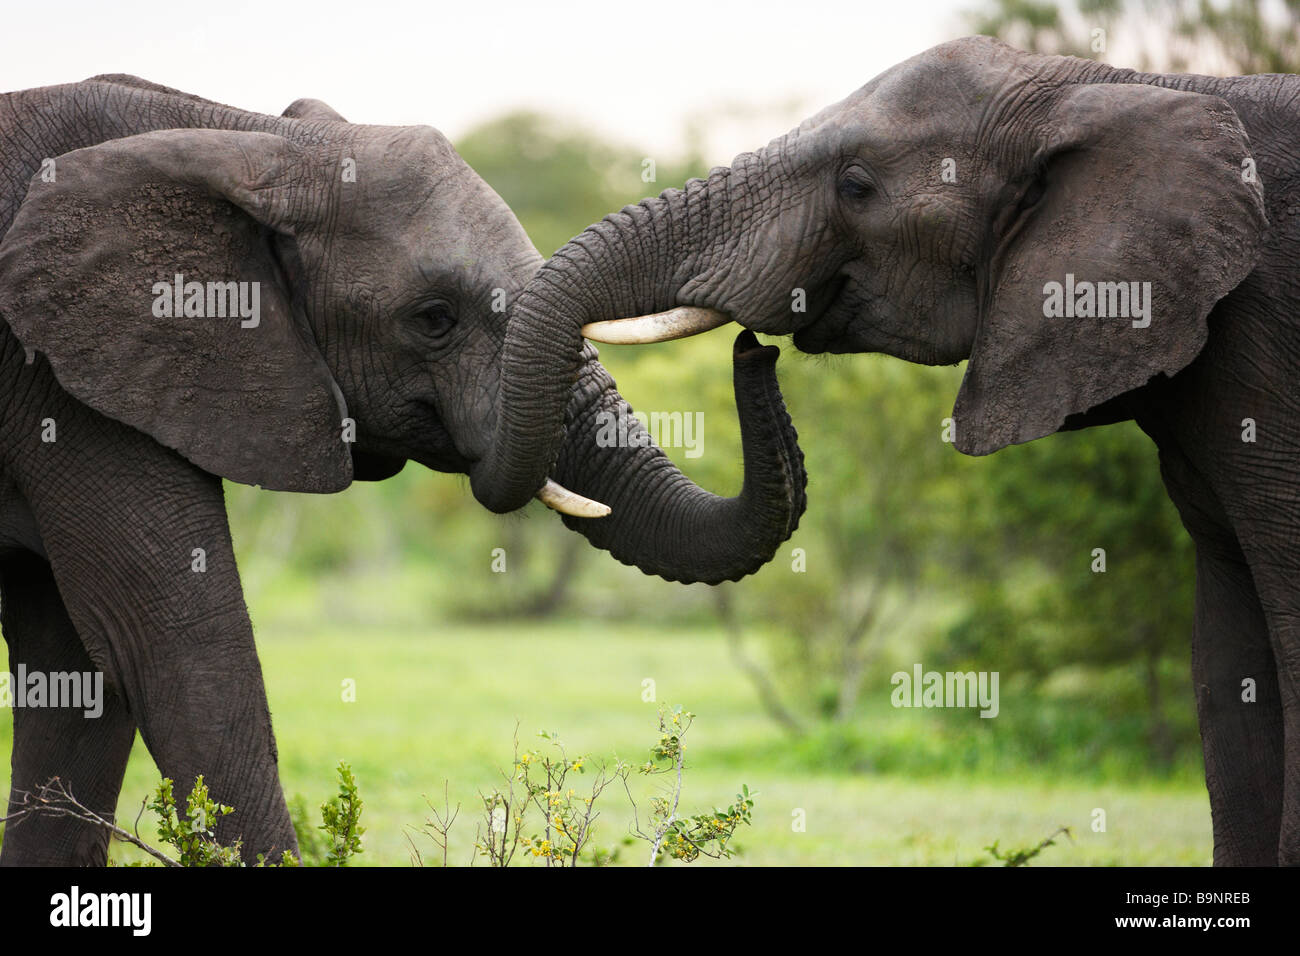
637	71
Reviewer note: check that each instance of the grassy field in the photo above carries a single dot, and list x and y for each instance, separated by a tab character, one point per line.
442	704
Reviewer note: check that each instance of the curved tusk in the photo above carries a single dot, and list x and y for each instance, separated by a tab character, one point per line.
661	327
561	499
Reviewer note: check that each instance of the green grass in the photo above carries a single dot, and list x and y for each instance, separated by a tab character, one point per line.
441	703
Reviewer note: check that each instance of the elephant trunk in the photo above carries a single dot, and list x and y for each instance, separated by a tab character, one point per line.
661	521
634	262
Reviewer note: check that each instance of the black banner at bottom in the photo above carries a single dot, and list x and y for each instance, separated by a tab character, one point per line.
366	904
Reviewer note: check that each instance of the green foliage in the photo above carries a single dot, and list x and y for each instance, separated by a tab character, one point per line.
341	820
1042	26
1219	37
1022	856
1082	726
1251	35
1045	603
312	850
559	178
567	817
687	839
191	832
672	835
538	789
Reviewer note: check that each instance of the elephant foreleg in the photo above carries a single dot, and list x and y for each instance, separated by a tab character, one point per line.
1239	710
1276	577
139	544
87	753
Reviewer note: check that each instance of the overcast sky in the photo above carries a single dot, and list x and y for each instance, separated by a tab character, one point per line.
635	70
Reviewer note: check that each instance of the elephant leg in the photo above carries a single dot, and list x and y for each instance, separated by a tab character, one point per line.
87	753
1239	711
1240	697
1277	583
1265	519
140	547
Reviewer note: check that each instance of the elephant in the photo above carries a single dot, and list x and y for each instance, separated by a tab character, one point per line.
192	292
1100	245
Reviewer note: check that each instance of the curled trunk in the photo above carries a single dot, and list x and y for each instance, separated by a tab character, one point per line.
662	522
632	263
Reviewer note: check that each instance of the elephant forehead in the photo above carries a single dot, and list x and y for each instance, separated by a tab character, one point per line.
952	80
422	217
390	172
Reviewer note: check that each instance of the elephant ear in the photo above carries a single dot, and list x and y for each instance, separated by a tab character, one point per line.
88	277
1139	184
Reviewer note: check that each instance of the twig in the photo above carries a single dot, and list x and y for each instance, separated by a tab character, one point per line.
672	815
54	799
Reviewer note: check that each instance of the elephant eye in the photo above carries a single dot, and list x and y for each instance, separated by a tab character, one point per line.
1033	192
437	318
854	186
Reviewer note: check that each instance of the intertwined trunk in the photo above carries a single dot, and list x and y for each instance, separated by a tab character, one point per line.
632	263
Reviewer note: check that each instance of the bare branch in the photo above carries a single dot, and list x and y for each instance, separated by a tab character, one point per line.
53	798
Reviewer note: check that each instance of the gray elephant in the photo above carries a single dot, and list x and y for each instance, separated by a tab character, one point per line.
191	292
1102	245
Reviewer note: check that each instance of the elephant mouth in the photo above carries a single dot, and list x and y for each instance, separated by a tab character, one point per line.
835	308
552	494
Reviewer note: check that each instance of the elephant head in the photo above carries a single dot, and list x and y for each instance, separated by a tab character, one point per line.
948	210
309	301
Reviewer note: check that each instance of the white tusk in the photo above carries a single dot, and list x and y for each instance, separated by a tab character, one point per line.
661	327
561	499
